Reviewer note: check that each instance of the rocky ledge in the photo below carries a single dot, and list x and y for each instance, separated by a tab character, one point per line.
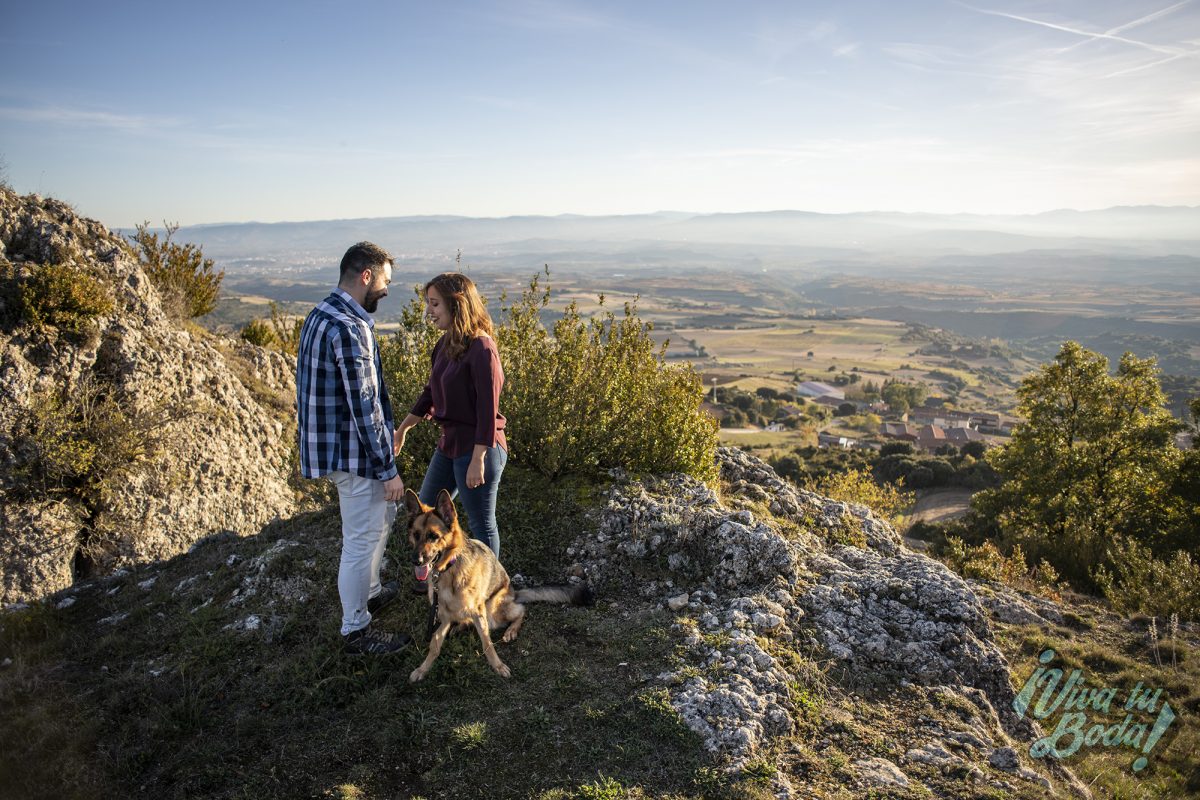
769	599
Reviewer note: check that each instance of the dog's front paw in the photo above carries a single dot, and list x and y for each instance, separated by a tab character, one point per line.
417	674
509	635
503	671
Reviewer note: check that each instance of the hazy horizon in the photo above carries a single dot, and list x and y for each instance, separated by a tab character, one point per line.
674	211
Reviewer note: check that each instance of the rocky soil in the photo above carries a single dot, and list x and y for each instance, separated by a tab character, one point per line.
814	653
763	584
210	411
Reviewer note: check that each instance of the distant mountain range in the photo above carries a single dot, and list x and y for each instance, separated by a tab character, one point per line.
1137	230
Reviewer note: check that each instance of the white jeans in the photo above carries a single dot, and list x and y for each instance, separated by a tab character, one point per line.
366	521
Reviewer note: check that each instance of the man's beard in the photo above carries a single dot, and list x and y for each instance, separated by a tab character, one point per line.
371	302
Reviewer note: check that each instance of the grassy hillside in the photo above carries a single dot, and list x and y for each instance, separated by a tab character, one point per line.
144	685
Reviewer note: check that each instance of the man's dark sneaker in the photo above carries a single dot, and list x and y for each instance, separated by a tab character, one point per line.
370	641
387	593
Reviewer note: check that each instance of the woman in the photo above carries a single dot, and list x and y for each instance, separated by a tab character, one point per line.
463	396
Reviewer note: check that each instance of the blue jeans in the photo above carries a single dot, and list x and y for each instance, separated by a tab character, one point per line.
451	474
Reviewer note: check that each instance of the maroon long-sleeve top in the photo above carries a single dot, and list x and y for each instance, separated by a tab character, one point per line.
463	397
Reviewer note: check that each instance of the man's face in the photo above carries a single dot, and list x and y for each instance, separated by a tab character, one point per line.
380	278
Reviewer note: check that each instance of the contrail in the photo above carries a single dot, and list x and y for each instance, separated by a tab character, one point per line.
1170	51
1128	25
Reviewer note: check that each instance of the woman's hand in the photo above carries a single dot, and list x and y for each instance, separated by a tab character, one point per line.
475	471
398	437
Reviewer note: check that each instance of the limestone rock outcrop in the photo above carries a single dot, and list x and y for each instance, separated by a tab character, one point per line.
208	437
765	562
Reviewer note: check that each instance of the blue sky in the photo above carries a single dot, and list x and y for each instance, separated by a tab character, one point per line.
265	111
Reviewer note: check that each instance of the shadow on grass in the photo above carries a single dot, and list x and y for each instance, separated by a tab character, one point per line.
170	701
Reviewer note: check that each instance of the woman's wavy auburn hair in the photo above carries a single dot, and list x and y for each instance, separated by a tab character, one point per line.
468	313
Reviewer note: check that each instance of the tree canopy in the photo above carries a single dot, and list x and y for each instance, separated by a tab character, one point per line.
1093	467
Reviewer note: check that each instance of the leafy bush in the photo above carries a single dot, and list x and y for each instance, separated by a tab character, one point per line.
259	332
857	486
181	273
1093	463
406	365
281	331
286	331
598	393
986	562
896	448
60	296
80	443
814	463
76	440
1140	583
587	396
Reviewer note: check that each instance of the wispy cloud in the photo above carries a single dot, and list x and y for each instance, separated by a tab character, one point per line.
927	149
241	141
87	118
558	15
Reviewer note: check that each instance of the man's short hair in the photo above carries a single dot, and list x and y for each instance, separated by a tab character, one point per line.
362	256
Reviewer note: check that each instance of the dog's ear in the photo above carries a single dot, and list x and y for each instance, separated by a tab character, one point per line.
412	503
445	508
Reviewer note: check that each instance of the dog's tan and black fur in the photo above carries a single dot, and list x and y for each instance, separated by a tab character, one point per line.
466	582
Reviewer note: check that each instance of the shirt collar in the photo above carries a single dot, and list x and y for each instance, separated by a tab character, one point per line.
354	306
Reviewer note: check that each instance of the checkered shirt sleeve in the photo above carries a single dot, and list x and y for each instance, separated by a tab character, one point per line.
345	415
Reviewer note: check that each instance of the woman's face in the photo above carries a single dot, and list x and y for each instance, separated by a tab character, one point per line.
437	310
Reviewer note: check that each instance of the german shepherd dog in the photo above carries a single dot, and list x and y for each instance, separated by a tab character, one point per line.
466	582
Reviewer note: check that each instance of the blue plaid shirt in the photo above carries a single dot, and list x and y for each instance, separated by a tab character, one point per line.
346	420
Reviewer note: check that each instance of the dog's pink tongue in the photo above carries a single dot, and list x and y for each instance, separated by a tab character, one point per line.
422	572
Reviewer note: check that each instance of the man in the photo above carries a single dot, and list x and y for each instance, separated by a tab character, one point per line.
347	433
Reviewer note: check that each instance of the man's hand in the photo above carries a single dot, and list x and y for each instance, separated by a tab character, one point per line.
393	490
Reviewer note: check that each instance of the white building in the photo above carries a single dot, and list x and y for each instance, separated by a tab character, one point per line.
816	389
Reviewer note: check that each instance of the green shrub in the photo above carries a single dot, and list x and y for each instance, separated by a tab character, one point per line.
74	440
60	296
1140	583
987	562
259	332
857	486
406	364
281	331
587	396
286	331
598	393
81	443
181	273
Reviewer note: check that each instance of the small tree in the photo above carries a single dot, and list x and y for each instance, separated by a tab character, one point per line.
180	272
1094	462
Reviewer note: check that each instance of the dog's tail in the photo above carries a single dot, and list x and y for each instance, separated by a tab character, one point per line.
576	595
